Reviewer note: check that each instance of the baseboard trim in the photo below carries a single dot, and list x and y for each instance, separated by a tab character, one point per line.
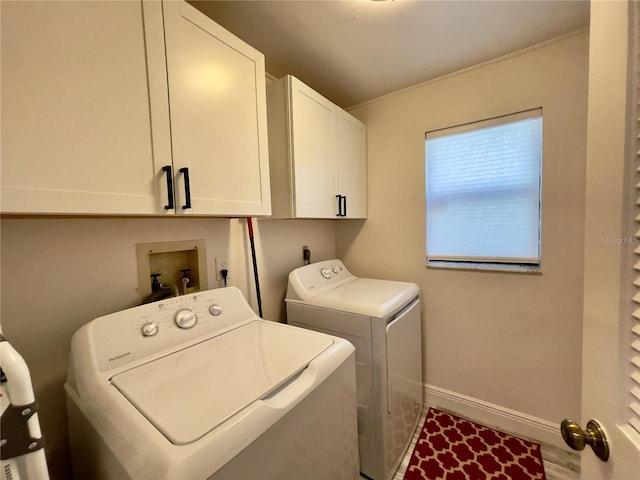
491	415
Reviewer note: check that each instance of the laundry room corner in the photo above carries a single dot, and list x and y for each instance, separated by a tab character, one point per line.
506	339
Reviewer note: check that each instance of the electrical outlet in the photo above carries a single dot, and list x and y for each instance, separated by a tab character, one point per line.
222	263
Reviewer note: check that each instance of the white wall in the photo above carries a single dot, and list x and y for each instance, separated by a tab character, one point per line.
512	340
59	273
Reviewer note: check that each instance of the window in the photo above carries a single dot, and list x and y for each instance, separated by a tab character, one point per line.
483	193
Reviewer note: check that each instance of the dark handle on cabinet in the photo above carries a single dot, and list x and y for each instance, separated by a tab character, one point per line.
167	170
342	205
187	188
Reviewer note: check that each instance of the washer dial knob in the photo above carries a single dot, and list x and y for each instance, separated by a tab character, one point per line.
215	309
186	318
326	273
149	329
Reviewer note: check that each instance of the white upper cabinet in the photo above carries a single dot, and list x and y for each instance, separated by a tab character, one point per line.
99	116
75	109
218	115
351	136
317	154
314	148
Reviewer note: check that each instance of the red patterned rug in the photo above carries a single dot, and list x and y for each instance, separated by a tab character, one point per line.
452	448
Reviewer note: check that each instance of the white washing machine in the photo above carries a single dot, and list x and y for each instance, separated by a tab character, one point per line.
381	318
199	387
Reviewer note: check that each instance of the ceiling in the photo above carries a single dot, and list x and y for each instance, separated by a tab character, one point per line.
352	51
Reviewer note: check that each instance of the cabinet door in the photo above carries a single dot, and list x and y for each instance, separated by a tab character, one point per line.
352	164
75	109
218	115
314	152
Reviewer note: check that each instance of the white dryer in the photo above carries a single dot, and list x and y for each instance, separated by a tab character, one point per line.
199	387
381	318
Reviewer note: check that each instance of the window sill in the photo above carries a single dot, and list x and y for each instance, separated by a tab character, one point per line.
485	267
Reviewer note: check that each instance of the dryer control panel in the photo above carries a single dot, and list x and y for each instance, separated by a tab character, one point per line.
317	277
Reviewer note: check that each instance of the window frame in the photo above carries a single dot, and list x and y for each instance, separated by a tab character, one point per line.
466	262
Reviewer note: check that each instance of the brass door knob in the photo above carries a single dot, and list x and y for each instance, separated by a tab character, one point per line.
593	436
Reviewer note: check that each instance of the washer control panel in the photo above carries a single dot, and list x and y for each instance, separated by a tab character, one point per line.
126	337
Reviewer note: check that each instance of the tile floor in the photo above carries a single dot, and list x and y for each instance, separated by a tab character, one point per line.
558	464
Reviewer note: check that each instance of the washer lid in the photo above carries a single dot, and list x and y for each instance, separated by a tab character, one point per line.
188	393
367	296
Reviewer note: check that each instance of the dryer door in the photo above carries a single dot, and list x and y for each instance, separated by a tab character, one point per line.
404	384
404	360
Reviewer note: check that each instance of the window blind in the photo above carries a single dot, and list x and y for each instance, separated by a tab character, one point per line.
483	190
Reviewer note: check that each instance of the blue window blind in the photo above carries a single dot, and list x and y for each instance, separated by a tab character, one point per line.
483	191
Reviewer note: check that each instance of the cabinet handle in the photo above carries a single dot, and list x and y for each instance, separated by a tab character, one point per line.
342	205
167	170
187	188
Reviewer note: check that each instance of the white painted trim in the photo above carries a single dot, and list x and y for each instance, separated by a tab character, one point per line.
270	78
495	416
